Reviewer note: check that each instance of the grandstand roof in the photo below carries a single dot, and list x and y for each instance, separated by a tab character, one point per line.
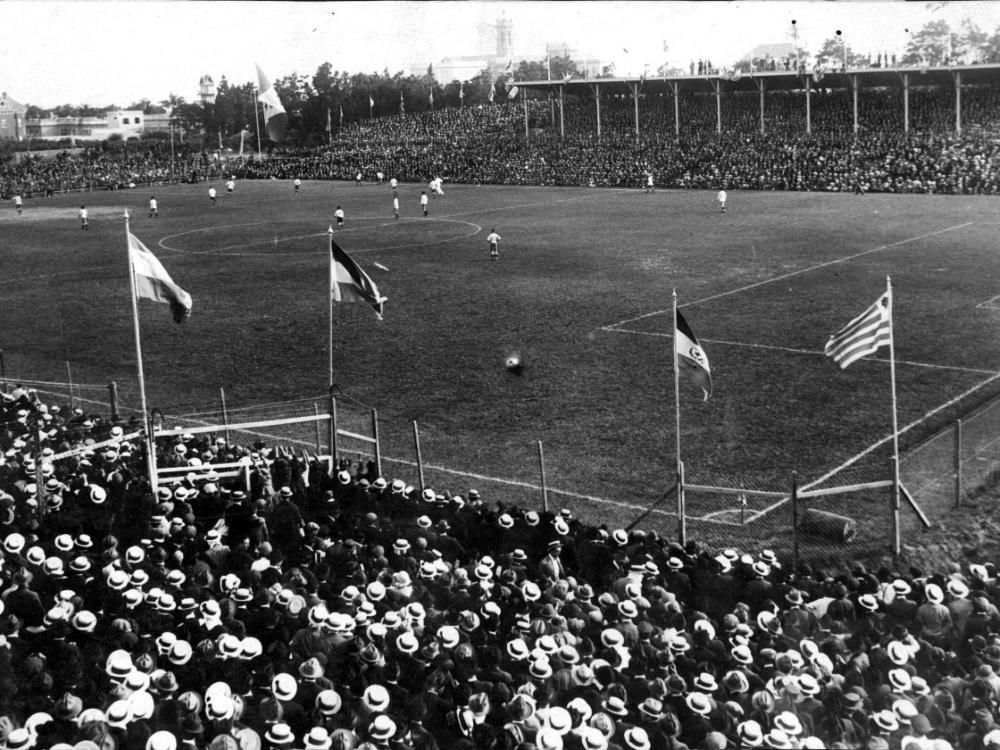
783	80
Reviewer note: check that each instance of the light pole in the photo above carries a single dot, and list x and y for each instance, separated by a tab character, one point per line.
795	43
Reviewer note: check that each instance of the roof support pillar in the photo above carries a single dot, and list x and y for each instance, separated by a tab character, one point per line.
854	90
675	86
906	102
717	85
957	75
761	86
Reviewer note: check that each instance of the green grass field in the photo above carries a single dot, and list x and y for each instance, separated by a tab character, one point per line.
582	291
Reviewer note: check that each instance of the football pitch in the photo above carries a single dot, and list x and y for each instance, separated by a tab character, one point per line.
581	292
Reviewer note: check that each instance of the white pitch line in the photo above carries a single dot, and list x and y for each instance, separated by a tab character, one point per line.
793	273
804	351
881	442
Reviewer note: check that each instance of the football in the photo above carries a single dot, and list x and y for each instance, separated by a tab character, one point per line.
514	364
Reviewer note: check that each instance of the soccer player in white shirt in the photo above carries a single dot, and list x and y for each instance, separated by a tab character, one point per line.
493	239
423	201
722	200
83	218
17	204
339	215
395	205
298	184
230	187
649	182
211	195
393	183
153	211
380	177
437	186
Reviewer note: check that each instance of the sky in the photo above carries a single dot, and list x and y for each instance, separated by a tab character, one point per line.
103	53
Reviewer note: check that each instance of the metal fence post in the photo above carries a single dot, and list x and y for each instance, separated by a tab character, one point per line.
541	468
897	542
151	450
333	434
795	521
958	463
420	458
225	414
3	373
319	439
681	510
378	450
113	399
69	378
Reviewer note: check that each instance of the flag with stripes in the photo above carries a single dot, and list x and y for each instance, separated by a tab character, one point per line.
863	335
691	358
153	282
274	113
349	283
402	106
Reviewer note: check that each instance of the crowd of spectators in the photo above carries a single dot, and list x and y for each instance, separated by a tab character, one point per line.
305	609
488	144
42	174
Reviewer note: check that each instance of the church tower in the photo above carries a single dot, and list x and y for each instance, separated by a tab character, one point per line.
206	90
505	38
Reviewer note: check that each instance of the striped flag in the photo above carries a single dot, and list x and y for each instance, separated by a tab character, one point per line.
274	113
863	335
153	282
348	283
513	92
691	358
402	107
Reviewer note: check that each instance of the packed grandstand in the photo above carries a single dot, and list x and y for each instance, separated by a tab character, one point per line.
487	144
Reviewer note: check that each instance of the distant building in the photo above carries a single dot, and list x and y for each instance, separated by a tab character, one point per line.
775	51
11	118
206	90
465	67
126	123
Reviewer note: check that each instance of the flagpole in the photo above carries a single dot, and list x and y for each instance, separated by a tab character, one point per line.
681	526
329	294
256	118
150	444
895	424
